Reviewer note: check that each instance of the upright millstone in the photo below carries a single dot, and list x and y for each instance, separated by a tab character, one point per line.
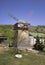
21	35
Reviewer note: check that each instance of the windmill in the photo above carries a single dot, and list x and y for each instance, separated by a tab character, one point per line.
21	34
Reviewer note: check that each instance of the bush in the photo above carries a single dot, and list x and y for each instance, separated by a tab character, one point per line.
39	45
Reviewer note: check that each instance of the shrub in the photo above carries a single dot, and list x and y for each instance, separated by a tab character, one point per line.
39	45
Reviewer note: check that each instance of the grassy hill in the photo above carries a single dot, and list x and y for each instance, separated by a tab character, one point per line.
8	58
38	28
8	31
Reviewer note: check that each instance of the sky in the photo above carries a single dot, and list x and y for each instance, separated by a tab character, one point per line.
31	11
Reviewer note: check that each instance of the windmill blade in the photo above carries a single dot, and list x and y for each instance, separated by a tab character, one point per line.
13	17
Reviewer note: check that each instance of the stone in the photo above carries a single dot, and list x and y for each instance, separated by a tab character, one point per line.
18	56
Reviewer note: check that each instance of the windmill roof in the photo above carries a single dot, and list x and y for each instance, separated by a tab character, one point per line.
22	22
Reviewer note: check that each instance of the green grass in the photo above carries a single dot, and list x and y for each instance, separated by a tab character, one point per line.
39	34
8	58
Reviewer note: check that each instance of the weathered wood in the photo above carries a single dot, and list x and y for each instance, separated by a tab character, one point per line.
21	36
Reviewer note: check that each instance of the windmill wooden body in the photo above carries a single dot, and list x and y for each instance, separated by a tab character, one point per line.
21	34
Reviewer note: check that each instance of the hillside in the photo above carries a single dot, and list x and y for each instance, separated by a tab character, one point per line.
39	28
8	30
8	58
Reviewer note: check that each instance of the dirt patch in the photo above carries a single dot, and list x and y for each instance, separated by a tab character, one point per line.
4	48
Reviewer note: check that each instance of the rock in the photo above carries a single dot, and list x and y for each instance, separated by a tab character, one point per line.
18	56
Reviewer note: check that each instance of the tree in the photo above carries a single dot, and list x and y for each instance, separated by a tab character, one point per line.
39	45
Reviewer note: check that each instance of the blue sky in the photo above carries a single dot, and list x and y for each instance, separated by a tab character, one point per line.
31	11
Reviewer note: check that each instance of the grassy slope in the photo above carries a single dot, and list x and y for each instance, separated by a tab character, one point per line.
39	34
8	58
9	32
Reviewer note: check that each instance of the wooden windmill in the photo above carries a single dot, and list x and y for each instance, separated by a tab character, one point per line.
21	34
